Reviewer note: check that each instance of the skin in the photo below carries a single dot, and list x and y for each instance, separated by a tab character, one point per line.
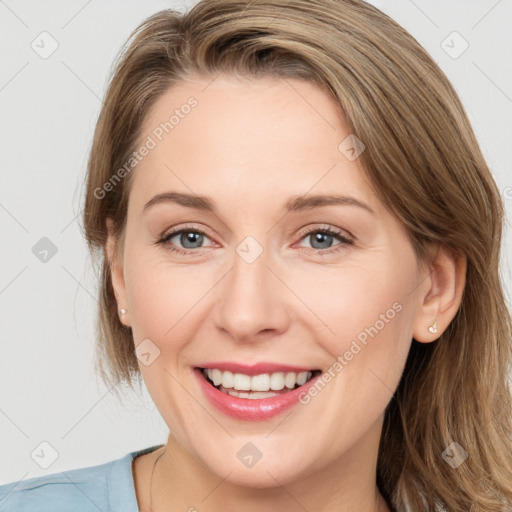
250	145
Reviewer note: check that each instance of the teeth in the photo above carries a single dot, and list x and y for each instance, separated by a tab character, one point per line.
216	377
244	394
241	382
302	378
226	378
290	380
277	381
261	383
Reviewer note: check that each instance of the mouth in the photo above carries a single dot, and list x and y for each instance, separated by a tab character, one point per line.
254	387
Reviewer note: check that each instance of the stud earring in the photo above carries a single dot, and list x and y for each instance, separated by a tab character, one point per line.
433	328
122	312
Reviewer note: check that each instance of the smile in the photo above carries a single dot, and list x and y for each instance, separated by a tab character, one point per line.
257	386
250	394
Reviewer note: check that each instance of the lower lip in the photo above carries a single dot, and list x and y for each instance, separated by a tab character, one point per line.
247	408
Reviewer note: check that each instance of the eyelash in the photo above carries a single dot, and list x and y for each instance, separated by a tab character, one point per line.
326	231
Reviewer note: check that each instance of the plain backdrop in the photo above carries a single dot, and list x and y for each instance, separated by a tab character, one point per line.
48	390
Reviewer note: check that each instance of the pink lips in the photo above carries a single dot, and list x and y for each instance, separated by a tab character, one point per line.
255	369
246	408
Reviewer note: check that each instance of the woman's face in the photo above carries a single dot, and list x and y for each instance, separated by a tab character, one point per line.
255	280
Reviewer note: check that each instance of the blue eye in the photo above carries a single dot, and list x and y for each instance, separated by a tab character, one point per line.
326	236
186	237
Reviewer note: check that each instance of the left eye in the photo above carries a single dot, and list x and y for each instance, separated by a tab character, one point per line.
324	239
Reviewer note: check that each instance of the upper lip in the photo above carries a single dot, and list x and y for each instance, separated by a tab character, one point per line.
255	369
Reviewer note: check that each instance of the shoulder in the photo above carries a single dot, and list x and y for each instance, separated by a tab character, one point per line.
108	487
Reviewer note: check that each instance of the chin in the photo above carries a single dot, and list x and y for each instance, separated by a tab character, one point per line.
273	472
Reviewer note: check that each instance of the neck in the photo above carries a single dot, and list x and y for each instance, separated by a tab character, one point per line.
181	482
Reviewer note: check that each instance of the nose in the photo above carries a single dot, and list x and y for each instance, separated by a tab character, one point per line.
252	300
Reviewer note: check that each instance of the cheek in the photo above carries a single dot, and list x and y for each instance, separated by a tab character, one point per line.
364	312
350	297
162	296
373	335
165	301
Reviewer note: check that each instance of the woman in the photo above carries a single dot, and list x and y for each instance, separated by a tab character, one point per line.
300	241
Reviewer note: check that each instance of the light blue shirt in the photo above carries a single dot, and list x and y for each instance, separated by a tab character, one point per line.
107	487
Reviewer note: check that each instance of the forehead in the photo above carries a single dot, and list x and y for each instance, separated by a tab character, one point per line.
230	136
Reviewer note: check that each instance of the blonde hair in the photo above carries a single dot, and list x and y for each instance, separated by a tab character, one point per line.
425	165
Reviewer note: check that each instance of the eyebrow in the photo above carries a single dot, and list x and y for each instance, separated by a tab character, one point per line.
294	204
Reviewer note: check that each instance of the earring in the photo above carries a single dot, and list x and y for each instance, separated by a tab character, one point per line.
122	312
433	328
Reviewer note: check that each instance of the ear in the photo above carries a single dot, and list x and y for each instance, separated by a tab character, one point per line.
116	273
441	295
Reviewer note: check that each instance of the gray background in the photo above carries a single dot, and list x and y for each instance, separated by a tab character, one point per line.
48	390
